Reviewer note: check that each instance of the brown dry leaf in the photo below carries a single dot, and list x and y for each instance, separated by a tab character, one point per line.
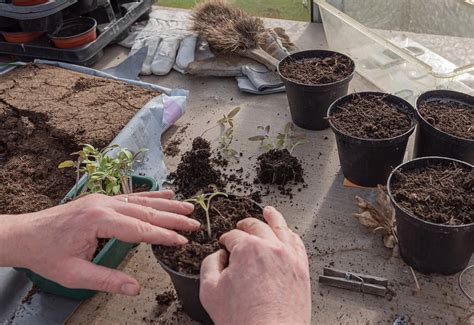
379	216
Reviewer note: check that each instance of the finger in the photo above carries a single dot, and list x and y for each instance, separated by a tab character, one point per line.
166	194
232	238
257	228
86	275
161	204
133	230
163	219
277	223
212	267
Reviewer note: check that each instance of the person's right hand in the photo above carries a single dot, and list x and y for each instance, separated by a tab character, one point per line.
266	280
59	243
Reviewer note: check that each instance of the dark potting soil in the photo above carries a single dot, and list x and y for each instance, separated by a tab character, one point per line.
45	114
195	172
224	215
166	298
370	117
437	193
317	71
279	167
449	116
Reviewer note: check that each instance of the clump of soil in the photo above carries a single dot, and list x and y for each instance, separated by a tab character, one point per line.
195	172
166	298
224	215
370	117
437	193
29	296
316	71
172	148
279	167
449	116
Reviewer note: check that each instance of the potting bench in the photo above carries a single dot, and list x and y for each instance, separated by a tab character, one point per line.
320	213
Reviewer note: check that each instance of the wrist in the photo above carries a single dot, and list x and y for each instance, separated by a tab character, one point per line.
11	239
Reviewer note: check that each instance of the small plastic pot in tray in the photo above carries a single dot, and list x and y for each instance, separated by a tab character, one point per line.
75	32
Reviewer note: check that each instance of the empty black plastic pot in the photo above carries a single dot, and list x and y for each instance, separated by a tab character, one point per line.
431	141
429	247
309	103
368	162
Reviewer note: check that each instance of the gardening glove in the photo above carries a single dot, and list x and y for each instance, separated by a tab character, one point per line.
169	42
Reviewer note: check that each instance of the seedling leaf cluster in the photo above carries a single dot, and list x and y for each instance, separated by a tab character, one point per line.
284	140
204	201
106	174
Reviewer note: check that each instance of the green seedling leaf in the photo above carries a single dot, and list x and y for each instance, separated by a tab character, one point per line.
234	112
67	164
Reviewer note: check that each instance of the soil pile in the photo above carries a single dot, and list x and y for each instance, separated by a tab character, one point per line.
45	114
224	215
278	167
449	116
84	109
370	117
317	71
195	172
437	193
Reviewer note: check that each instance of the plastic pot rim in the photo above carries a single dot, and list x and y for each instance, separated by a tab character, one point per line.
368	140
74	20
198	276
445	94
432	224
316	86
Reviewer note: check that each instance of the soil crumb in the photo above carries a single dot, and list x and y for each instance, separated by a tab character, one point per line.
279	167
316	71
224	215
437	193
449	116
29	296
172	148
195	172
371	117
166	298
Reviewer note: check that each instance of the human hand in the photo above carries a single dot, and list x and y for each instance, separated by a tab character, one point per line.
59	243
267	277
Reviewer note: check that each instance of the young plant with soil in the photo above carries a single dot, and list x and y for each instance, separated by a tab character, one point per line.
452	117
218	214
437	193
370	117
318	70
277	165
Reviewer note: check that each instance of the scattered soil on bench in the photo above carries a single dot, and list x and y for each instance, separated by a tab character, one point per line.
317	71
370	117
224	215
166	298
195	172
29	296
449	116
279	167
45	114
437	193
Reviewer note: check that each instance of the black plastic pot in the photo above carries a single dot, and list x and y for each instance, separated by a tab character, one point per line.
431	141
368	162
187	289
309	104
429	247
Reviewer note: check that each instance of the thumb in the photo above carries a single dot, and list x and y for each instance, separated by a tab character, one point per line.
212	267
86	275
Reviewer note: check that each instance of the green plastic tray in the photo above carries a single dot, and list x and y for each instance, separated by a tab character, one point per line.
110	256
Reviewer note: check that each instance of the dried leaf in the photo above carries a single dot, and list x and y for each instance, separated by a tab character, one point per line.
389	241
365	218
257	138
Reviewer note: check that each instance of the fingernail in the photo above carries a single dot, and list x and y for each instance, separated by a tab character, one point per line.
194	223
187	206
130	289
182	240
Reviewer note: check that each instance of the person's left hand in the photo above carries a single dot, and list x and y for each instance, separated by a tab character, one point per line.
59	243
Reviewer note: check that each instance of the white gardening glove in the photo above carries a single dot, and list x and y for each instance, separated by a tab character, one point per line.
170	43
